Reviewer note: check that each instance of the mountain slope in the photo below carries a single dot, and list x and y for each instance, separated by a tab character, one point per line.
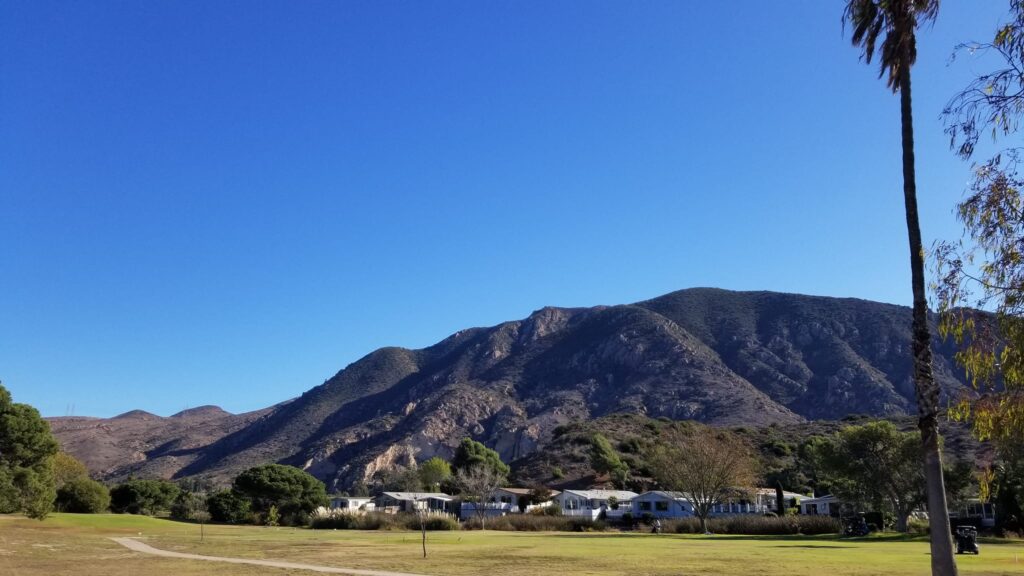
726	358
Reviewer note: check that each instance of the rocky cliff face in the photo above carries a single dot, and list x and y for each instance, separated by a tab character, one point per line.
725	358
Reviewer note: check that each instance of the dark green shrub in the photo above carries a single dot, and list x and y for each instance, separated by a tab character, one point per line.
226	506
83	496
148	497
187	505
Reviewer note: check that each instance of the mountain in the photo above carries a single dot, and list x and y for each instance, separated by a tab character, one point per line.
143	444
721	357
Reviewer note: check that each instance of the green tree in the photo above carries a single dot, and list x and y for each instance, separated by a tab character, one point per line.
985	269
67	468
290	490
146	497
83	496
272	518
228	507
1007	488
187	505
875	465
398	479
26	460
605	460
471	453
894	23
434	472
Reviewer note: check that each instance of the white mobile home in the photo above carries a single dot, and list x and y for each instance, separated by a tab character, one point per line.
984	513
662	504
591	503
394	502
506	501
822	506
755	501
352	503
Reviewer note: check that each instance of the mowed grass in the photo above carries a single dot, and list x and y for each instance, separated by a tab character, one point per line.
79	545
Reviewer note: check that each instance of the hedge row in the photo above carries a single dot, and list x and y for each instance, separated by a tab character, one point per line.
380	521
757	525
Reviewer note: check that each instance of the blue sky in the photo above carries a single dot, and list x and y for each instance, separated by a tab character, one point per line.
228	202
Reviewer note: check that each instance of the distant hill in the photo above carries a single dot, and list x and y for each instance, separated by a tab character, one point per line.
720	357
143	444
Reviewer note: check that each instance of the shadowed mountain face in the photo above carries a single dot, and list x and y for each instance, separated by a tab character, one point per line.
721	357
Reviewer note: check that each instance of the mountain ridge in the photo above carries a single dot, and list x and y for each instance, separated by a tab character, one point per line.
707	354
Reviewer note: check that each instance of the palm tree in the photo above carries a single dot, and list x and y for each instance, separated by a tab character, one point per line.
895	23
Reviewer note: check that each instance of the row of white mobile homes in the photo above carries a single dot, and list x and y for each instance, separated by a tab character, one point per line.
662	504
394	502
983	513
591	504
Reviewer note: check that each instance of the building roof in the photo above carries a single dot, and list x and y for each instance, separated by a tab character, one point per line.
603	494
819	499
525	491
418	495
663	494
785	493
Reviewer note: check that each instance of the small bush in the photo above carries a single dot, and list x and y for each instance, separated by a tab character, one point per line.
551	510
757	525
556	472
337	520
432	523
187	505
918	527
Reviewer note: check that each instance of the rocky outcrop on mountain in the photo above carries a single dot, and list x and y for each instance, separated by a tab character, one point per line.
725	358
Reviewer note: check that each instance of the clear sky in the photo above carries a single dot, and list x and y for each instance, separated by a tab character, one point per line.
210	202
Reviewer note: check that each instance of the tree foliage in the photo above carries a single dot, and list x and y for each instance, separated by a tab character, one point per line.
605	460
707	465
146	497
874	465
187	506
893	22
82	495
434	472
26	460
290	490
471	453
985	269
228	507
66	468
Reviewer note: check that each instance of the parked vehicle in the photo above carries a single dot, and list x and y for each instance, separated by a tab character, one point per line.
855	527
967	540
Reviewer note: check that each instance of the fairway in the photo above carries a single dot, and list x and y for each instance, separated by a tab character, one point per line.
80	545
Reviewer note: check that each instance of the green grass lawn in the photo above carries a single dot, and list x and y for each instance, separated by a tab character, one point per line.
79	545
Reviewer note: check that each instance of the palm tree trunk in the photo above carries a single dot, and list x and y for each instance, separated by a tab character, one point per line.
926	389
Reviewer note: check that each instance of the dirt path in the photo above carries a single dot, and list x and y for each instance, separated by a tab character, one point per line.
137	546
